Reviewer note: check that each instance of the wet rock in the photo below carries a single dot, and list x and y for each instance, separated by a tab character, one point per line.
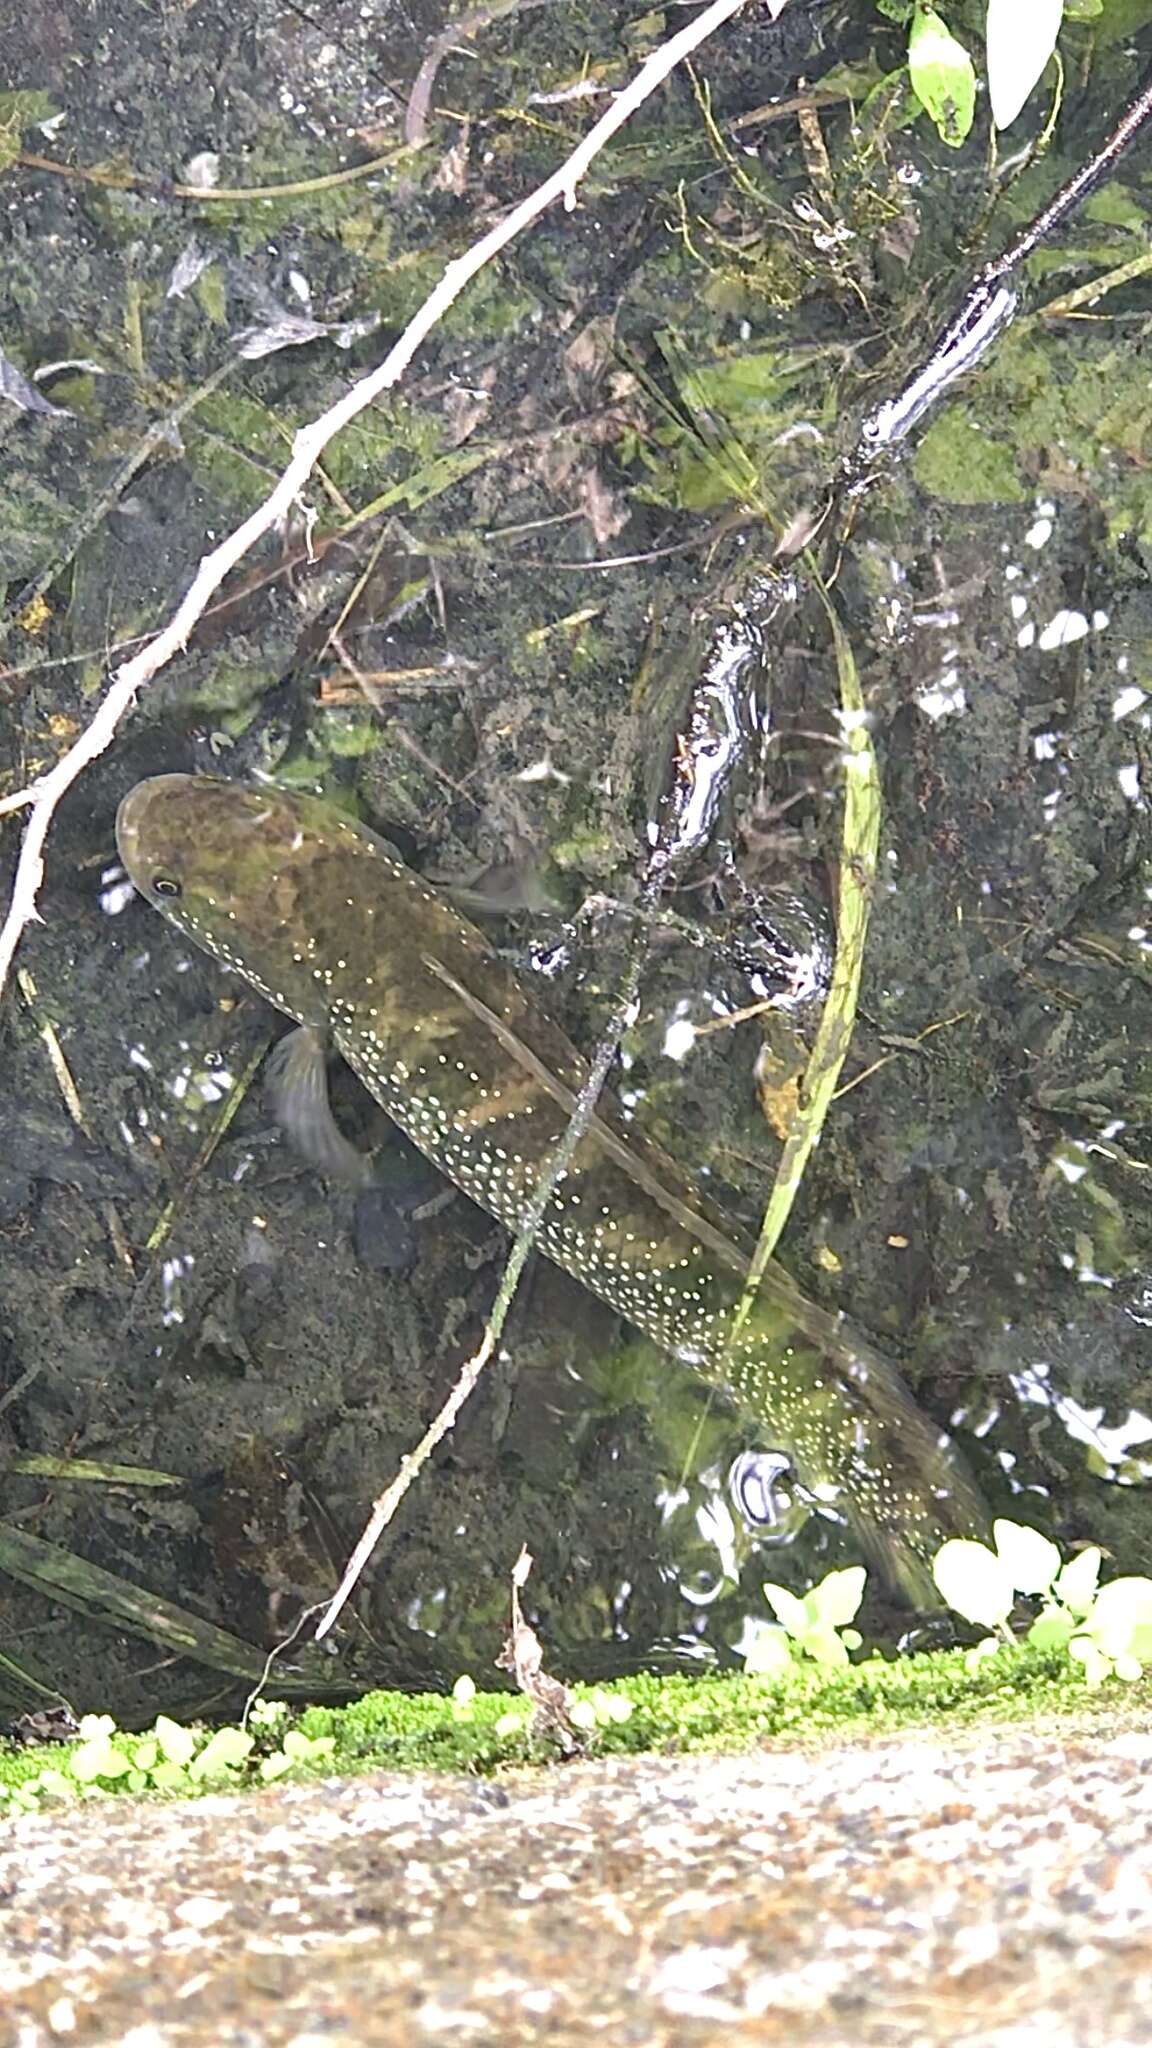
994	1887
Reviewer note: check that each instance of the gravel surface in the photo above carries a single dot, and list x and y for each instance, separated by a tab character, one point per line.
994	1888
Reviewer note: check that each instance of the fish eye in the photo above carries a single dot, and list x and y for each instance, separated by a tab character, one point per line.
166	885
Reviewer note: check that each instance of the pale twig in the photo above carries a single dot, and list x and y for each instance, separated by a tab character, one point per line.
46	792
420	98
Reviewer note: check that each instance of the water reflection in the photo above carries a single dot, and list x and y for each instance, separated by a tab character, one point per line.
771	1507
1110	1446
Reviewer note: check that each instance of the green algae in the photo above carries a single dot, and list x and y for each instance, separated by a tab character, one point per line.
481	1733
727	1712
961	463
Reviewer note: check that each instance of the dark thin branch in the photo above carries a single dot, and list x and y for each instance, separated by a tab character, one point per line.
990	303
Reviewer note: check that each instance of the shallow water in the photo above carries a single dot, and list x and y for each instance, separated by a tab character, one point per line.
978	1201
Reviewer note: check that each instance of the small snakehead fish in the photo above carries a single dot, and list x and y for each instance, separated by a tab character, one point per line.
320	916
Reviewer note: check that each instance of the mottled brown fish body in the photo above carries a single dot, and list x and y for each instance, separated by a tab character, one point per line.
320	916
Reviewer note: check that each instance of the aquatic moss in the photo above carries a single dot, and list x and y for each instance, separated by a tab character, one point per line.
960	462
725	1712
587	851
666	1715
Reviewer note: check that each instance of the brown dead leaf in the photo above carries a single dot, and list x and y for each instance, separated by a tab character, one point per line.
588	356
523	1656
451	173
604	509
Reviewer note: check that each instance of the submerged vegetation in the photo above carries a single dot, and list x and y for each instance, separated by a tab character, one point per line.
799	1682
481	633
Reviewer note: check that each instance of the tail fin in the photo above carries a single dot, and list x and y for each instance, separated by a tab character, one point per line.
902	1483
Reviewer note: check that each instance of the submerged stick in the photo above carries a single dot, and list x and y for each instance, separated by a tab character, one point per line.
990	303
61	1575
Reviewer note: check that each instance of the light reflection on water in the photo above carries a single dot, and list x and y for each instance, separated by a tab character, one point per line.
1110	1445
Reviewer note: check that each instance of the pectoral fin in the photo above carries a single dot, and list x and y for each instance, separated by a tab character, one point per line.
296	1089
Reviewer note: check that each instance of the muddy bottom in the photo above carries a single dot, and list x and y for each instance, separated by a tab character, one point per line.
210	1362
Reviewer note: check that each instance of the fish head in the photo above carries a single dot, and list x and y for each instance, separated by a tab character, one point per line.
240	871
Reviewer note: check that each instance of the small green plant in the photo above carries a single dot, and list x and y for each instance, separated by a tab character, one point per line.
1019	42
170	1758
801	1670
812	1630
1107	1630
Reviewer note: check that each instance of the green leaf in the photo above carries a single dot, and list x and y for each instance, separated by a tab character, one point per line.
789	1611
98	1759
988	1646
1021	38
1097	1667
224	1751
307	1749
93	1726
1030	1560
837	1598
54	1781
769	1654
267	1714
973	1582
1051	1629
943	79
612	1709
826	1648
1120	1623
169	1777
177	1744
1076	1586
1122	19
